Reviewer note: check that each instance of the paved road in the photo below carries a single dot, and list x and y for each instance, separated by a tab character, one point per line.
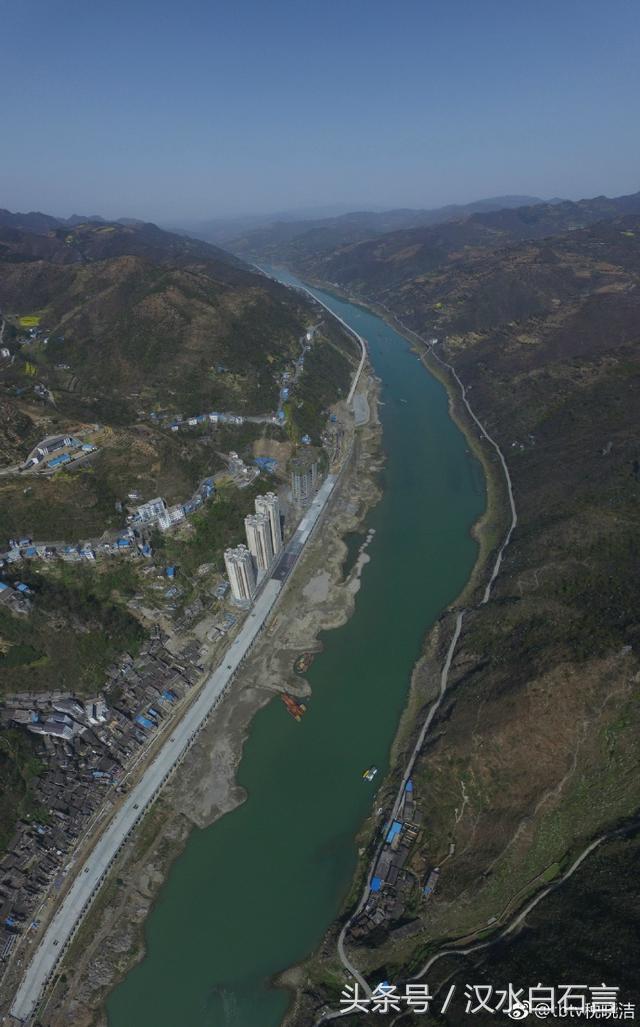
360	409
297	541
352	331
363	345
90	877
341	945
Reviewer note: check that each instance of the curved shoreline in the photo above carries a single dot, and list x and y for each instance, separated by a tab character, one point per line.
480	531
443	687
238	797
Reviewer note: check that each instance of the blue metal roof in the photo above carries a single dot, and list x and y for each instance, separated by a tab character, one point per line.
394	830
376	883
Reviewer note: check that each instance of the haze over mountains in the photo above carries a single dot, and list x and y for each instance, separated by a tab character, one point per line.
350	253
253	232
282	224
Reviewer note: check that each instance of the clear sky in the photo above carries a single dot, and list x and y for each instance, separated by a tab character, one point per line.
191	109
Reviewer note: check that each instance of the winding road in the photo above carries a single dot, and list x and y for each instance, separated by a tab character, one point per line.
444	677
348	328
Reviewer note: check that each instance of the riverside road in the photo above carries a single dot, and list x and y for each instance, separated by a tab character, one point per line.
90	877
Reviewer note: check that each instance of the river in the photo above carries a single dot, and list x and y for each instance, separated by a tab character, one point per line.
253	893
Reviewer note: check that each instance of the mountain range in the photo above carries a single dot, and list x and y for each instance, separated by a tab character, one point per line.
532	756
130	320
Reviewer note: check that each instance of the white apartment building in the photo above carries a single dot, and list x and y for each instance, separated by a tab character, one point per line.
270	506
241	574
258	529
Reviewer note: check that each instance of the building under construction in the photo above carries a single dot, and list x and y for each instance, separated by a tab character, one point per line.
305	475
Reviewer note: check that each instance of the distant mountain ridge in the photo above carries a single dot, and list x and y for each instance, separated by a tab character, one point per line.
387	261
323	234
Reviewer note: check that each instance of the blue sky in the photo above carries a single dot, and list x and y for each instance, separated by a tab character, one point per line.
192	109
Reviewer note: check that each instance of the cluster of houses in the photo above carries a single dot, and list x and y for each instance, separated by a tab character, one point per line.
27	549
156	511
53	453
85	746
15	597
177	422
129	541
392	884
289	378
240	472
79	761
147	687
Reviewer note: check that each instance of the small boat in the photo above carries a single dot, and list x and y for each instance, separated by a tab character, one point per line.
295	708
303	662
369	773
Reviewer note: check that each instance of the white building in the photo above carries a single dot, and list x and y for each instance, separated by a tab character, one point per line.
150	511
172	515
270	505
241	574
258	529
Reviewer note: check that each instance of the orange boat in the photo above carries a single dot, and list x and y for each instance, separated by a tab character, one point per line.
295	708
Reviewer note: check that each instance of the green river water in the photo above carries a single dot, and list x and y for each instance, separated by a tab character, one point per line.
253	894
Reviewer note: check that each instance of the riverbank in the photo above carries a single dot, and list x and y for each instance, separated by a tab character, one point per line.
491	527
317	599
307	982
533	750
253	893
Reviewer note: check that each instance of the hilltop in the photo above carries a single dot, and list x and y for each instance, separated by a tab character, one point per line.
38	236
